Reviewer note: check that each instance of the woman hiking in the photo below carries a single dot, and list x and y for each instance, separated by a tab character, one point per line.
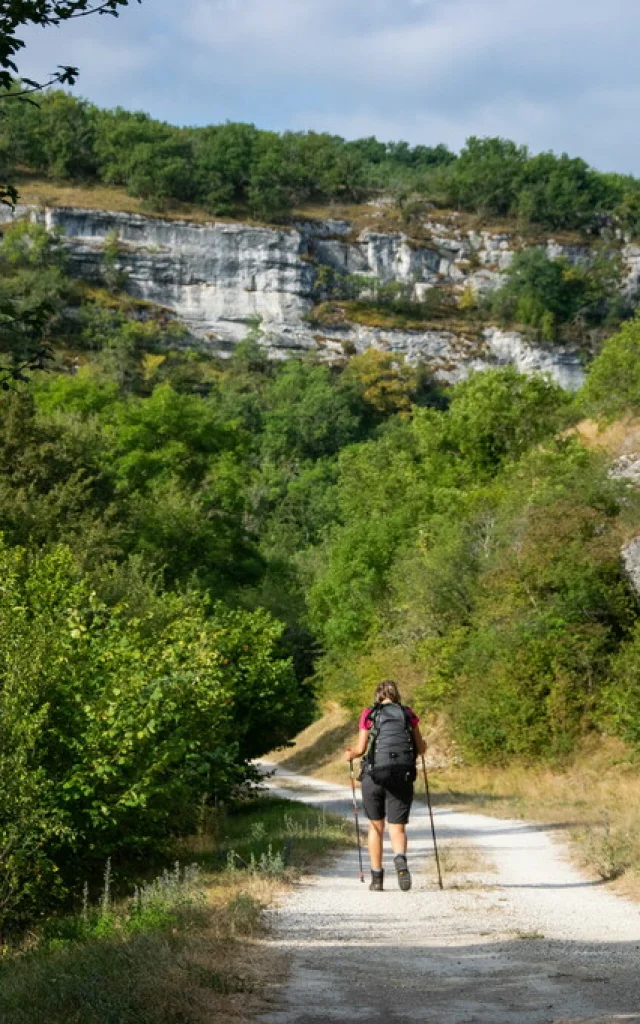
390	741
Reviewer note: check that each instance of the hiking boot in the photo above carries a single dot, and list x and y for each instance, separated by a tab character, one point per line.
377	878
404	875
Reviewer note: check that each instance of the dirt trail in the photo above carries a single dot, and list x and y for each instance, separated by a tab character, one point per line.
528	941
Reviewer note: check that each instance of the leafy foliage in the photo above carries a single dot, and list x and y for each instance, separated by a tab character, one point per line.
235	169
547	293
487	562
499	416
613	385
116	725
33	293
17	93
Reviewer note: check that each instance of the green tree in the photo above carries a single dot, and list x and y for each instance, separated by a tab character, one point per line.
487	175
224	157
539	292
523	669
34	292
383	493
118	134
308	416
15	15
116	728
64	134
548	294
498	415
561	192
612	387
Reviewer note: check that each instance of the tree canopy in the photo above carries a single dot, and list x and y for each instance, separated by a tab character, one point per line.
239	170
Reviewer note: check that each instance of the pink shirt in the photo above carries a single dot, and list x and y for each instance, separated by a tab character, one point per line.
365	718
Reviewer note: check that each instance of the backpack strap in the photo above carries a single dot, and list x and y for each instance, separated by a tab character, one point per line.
374	731
409	726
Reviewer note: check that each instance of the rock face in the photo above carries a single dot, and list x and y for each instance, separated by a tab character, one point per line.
631	563
627	467
219	277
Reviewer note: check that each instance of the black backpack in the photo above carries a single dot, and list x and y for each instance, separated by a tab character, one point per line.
391	750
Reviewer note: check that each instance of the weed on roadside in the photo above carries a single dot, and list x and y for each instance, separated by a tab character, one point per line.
607	848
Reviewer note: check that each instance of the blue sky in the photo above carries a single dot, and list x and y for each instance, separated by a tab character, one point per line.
555	74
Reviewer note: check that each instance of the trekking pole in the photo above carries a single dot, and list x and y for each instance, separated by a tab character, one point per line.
433	827
355	814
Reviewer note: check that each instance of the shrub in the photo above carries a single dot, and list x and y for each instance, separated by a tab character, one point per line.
546	293
500	414
521	663
612	387
115	728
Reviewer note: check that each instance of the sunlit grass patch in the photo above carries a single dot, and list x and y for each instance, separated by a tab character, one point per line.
594	800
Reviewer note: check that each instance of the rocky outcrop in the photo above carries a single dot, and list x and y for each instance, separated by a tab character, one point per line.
450	356
631	563
627	467
219	277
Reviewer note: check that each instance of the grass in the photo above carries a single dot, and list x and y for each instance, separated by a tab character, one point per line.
318	749
463	866
458	859
47	192
595	800
119	301
183	948
388	217
335	314
622	437
363	216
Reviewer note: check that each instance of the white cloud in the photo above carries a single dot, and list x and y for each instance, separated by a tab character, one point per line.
557	74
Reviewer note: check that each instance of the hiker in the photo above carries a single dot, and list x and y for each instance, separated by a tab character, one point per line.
390	741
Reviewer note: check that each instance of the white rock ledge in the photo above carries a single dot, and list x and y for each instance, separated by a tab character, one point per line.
218	277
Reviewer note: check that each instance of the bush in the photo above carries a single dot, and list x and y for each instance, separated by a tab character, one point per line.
500	414
612	387
116	728
232	168
521	662
547	294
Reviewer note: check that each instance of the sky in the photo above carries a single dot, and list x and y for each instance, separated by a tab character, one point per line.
554	74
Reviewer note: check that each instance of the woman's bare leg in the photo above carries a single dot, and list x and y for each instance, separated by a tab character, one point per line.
398	837
376	832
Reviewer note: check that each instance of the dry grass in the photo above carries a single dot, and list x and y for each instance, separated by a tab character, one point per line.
619	438
460	859
363	216
463	866
318	749
388	217
335	314
44	192
596	799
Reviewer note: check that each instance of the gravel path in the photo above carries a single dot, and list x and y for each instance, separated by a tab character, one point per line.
527	941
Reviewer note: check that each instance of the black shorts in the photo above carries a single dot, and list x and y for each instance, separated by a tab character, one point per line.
392	801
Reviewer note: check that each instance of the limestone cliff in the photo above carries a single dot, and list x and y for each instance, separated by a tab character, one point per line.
218	277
